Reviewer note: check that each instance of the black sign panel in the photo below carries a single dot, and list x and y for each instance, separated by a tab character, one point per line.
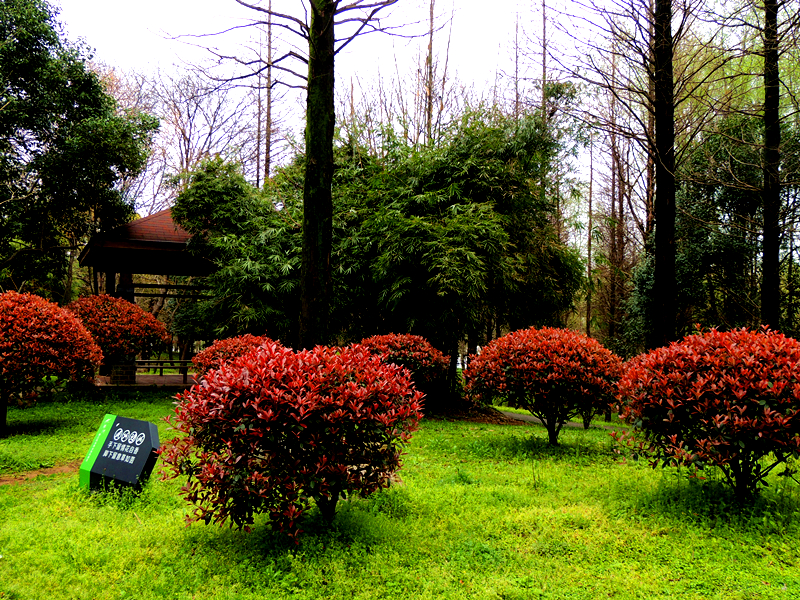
124	451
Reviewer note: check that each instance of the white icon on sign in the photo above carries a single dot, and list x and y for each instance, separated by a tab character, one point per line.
118	434
140	439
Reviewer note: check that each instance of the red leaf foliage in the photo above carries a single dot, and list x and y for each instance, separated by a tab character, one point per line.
222	351
121	329
428	366
272	429
718	398
40	339
556	374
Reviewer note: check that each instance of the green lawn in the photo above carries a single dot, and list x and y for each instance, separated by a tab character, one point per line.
484	511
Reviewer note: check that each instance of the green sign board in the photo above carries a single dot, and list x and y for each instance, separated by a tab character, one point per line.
123	451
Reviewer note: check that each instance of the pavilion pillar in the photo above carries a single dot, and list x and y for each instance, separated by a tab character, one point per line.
111	283
125	287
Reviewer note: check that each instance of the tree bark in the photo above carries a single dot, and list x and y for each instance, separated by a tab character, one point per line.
589	243
664	321
317	201
771	193
429	82
327	506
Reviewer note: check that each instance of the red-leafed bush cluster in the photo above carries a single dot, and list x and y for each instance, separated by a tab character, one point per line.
120	328
272	429
222	351
428	366
728	399
39	340
556	374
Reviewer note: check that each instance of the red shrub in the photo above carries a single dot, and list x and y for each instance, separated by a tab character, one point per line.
38	339
222	351
272	429
727	399
428	366
120	328
556	374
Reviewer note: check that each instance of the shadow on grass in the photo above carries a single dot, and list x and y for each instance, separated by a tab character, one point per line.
710	504
529	443
359	526
35	427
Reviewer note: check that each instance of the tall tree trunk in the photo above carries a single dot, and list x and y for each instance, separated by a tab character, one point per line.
612	274
589	243
650	189
771	194
664	321
429	83
544	61
67	297
317	202
268	125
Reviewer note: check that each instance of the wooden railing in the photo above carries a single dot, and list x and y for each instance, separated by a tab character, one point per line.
159	364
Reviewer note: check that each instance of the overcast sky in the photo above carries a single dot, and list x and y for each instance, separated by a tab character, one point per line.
142	35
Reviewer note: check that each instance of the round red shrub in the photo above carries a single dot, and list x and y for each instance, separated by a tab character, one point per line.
121	329
272	429
729	399
556	374
428	366
39	339
222	351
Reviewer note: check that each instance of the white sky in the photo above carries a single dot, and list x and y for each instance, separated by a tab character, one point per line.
137	35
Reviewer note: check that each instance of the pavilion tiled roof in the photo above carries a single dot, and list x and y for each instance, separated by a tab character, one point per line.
151	245
158	227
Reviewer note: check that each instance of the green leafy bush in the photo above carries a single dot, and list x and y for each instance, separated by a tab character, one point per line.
428	366
273	429
120	328
222	351
38	341
729	399
556	374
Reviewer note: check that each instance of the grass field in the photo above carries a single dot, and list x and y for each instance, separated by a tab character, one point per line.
484	512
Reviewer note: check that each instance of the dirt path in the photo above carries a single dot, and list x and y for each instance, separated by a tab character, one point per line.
18	478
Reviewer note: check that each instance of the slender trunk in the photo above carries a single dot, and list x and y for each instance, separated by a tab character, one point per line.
317	202
258	120
429	83
619	244
790	286
664	114
544	61
771	195
612	275
453	387
516	72
67	297
589	245
268	126
650	190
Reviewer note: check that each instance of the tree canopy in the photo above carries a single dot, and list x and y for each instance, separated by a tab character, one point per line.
65	151
440	241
